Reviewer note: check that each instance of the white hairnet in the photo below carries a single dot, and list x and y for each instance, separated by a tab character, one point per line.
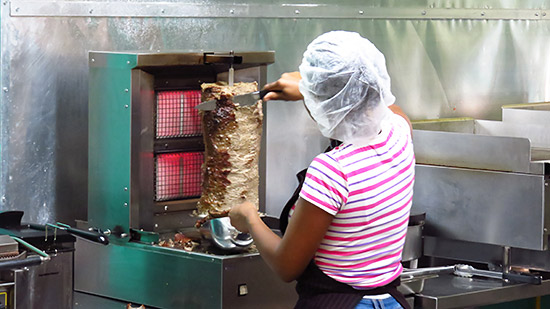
346	86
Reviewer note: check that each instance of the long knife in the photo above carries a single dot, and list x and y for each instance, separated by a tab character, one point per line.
242	99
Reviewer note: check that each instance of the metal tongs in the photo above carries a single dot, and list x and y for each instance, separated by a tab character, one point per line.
468	271
224	235
89	235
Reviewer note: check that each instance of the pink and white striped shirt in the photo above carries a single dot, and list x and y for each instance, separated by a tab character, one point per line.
369	192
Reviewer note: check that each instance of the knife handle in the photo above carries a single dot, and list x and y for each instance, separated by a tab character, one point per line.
92	236
523	278
262	93
14	264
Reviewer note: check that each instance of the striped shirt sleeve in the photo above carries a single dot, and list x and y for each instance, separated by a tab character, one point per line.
325	185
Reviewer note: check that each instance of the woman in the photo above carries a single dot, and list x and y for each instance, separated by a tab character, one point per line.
345	237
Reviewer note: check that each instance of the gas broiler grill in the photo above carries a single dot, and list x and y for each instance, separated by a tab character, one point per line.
145	156
484	186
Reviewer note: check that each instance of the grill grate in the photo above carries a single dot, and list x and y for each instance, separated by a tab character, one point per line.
176	114
178	175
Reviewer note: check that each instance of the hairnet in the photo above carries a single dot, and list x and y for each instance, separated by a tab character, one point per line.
346	86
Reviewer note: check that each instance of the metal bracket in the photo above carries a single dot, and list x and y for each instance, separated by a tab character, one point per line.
225	58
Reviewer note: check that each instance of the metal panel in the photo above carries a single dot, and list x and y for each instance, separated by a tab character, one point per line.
134	273
256	10
110	140
536	113
172	278
264	288
47	285
465	251
490	145
537	134
476	206
473	151
457	125
412	250
457	65
142	137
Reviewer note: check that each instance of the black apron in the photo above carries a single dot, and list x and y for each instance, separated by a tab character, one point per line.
317	290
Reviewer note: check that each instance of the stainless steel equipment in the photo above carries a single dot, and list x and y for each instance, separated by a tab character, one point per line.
413	248
146	151
224	235
412	252
27	282
484	186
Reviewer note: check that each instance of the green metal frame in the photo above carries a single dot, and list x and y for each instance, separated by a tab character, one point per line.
109	132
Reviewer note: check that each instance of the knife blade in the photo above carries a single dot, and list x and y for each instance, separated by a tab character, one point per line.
242	99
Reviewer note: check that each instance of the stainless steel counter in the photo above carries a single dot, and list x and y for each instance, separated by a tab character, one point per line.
450	291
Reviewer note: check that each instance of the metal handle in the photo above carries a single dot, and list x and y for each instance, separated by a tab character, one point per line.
262	93
527	278
92	236
30	261
468	271
427	271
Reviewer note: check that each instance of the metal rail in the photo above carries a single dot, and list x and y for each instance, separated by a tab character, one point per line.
193	10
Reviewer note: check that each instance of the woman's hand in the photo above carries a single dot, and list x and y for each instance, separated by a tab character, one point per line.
288	85
241	216
287	257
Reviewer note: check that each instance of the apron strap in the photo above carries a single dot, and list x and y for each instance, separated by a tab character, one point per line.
283	220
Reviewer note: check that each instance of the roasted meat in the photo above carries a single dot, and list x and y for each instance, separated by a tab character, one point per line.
232	136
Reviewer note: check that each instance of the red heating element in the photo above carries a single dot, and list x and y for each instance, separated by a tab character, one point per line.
178	175
176	114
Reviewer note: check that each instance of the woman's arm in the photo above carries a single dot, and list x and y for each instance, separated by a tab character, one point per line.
288	256
290	91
